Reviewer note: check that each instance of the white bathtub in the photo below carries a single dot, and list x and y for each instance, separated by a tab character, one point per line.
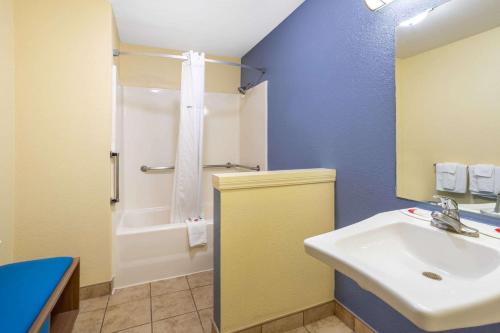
149	249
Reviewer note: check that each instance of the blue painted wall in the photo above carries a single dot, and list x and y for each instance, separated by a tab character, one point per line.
330	67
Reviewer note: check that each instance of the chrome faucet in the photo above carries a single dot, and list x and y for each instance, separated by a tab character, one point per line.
495	212
449	218
497	206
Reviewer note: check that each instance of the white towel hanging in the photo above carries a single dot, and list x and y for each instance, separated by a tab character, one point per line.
197	232
451	177
482	178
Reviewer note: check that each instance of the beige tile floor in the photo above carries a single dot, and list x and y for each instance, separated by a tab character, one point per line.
327	325
179	305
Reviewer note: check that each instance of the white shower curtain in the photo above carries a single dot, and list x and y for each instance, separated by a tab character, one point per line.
187	190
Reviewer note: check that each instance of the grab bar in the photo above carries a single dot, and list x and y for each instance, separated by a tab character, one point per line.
116	178
147	169
228	165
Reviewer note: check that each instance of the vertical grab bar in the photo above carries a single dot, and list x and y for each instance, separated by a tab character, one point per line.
116	178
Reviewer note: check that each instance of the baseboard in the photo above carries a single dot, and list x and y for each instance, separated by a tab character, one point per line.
306	317
291	321
351	320
95	290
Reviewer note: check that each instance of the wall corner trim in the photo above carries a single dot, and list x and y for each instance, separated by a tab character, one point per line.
245	180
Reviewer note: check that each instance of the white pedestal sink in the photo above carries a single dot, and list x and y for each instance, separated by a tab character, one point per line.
437	279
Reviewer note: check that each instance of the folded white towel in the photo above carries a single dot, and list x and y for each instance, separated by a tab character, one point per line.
447	167
451	177
445	176
484	170
482	178
197	232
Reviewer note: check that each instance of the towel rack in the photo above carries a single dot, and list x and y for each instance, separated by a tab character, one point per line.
228	165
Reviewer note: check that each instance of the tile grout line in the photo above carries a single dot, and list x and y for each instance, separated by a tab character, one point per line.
133	300
180	314
197	311
169	292
106	308
151	305
105	312
195	306
167	318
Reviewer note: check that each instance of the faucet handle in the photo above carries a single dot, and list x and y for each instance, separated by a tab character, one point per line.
446	202
450	206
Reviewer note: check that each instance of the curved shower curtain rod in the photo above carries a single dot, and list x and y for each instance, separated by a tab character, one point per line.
117	53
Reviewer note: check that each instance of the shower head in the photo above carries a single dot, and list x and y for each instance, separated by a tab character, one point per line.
242	90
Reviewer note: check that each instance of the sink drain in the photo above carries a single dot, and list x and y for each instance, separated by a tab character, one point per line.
432	276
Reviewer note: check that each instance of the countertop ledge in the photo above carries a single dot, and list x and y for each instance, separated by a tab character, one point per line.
245	180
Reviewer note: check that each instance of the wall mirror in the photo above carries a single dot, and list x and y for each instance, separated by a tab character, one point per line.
448	105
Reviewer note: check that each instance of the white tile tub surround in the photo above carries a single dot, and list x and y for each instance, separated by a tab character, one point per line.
146	246
151	124
149	249
253	127
150	138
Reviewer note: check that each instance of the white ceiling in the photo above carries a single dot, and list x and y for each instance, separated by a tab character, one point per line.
453	21
219	27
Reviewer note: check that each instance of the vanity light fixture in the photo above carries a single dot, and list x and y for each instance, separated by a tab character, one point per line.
417	19
377	4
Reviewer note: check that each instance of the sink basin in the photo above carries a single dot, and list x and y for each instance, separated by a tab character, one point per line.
437	279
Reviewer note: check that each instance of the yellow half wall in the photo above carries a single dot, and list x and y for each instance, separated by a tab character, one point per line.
63	132
264	272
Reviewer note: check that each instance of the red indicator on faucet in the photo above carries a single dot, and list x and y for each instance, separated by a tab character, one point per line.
497	230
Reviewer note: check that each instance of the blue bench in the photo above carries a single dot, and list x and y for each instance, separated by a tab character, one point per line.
39	295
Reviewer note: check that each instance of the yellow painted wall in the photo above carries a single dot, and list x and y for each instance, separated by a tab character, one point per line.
63	132
150	72
265	217
7	110
448	110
